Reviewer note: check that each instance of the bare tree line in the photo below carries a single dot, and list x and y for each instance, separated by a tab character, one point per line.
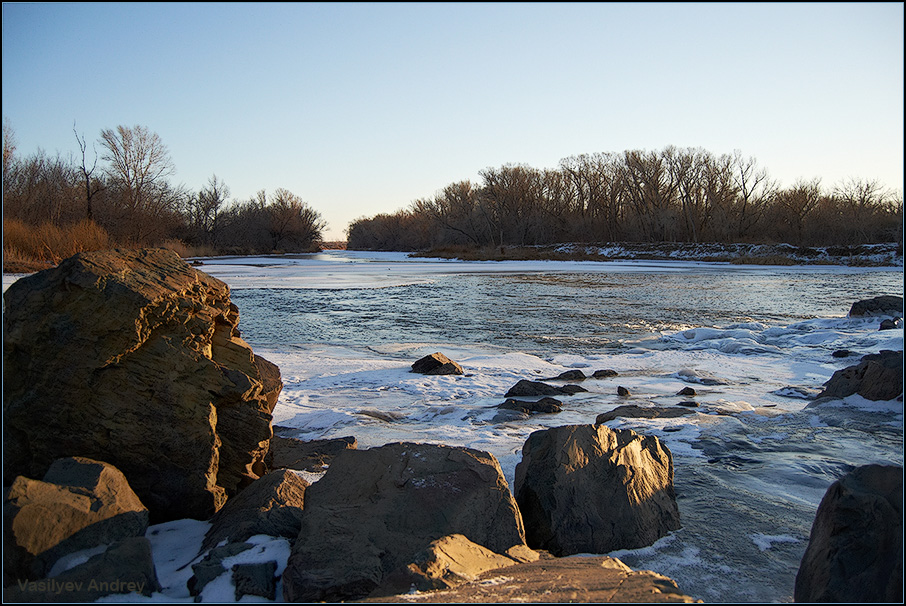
122	185
670	195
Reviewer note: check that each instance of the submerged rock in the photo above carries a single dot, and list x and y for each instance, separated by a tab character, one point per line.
134	357
855	550
592	489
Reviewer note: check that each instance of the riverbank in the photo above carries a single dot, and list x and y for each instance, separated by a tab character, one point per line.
863	255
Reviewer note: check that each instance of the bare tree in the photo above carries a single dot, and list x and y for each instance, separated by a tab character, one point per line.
91	189
205	208
139	165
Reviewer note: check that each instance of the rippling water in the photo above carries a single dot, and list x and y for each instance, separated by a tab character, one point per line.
547	313
750	470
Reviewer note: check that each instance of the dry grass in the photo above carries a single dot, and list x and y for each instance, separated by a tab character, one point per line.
31	248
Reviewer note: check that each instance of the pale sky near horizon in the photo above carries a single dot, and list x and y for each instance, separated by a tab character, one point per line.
362	108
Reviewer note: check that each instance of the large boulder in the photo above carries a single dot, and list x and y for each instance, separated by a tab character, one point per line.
885	305
80	504
134	357
876	377
592	489
855	550
271	505
375	510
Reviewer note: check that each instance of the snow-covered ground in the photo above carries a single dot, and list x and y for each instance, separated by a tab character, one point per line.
751	464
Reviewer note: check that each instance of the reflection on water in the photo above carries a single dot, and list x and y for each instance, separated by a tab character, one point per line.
550	313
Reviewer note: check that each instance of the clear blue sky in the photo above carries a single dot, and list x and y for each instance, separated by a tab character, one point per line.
363	108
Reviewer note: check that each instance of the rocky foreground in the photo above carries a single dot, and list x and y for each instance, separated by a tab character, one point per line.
131	395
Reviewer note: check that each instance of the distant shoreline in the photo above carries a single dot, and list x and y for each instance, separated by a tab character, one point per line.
863	255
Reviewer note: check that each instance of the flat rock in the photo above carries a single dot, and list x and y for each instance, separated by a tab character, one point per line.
589	580
528	389
635	411
306	455
569	375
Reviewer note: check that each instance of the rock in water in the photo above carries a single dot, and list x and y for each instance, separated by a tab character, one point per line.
886	305
876	377
134	357
855	550
592	489
436	364
375	510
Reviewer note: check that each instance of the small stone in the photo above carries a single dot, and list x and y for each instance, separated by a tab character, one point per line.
686	391
622	391
604	374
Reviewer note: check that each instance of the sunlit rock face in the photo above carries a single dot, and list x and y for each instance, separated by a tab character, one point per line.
133	357
592	489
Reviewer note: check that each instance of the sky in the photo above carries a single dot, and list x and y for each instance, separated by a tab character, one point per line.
362	108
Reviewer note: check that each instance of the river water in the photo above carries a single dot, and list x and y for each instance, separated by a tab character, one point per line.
754	342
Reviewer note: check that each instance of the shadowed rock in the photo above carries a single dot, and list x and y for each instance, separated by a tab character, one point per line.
306	455
544	405
374	510
569	375
134	357
79	505
885	305
855	550
642	412
876	377
591	489
529	389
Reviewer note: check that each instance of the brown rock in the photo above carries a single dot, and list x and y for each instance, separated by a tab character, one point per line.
586	580
80	504
876	377
437	364
306	455
855	550
447	562
592	489
133	357
374	510
271	505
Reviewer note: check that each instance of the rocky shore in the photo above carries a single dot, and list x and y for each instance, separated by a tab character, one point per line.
132	396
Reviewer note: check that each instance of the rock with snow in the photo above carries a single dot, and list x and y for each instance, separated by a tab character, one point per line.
271	505
855	549
125	567
375	510
876	377
306	455
436	364
211	566
80	504
885	305
134	357
592	489
890	324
